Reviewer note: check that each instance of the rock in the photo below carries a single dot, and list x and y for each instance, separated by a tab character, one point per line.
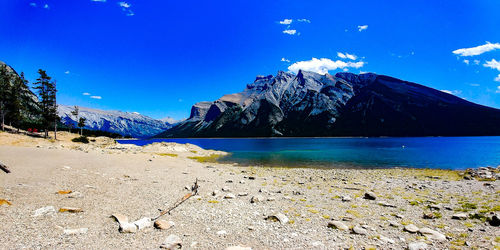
262	190
215	192
226	189
417	246
127	228
429	215
251	177
411	228
257	198
278	217
348	218
143	223
271	199
459	216
163	224
338	225
75	231
370	196
494	220
387	240
432	234
238	248
48	210
242	182
359	230
70	210
221	232
229	196
243	194
394	223
229	181
346	198
172	242
75	195
385	204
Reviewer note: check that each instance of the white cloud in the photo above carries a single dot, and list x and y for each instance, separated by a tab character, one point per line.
452	92
85	93
33	4
96	97
286	21
284	60
323	65
103	1
494	64
124	5
474	84
362	27
498	88
478	50
466	61
290	32
46	6
66	72
303	20
497	79
476	62
346	56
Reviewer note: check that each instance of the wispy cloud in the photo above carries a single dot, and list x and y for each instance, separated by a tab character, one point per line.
286	21
494	64
498	88
466	61
45	6
323	65
474	84
96	97
126	8
33	4
476	62
85	93
452	92
102	1
66	72
284	60
497	79
478	50
346	56
362	27
290	32
303	20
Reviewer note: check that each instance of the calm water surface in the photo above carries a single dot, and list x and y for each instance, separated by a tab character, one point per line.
421	152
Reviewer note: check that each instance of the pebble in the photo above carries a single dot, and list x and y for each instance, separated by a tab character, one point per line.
75	231
257	198
229	196
75	195
238	248
271	199
417	246
432	234
143	223
48	210
243	194
226	189
215	192
459	216
411	228
370	196
338	225
163	224
346	198
394	223
278	217
172	242
359	230
385	204
494	220
385	239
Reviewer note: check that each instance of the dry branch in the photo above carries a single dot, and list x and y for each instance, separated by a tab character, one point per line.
4	168
194	191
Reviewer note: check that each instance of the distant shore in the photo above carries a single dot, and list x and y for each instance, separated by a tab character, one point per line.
306	208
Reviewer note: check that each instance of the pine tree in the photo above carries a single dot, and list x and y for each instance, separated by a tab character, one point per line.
81	124
4	92
47	94
75	112
15	102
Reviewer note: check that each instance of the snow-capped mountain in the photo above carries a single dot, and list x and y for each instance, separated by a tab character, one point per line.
124	123
344	104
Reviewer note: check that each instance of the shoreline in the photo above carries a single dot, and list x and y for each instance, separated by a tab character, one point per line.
106	179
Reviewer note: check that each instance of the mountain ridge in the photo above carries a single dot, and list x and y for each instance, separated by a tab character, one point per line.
344	104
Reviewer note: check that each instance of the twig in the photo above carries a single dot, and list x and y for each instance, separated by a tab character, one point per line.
4	168
194	191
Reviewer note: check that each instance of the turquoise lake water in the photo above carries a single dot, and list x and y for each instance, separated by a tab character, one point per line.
418	152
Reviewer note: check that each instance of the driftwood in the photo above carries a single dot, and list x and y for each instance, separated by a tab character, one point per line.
194	191
4	168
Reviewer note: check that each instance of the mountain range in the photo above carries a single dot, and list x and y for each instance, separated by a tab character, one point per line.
124	123
344	104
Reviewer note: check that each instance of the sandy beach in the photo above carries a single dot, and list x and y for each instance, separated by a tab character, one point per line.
296	208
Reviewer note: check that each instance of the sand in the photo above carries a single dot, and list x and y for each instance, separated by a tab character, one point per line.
138	181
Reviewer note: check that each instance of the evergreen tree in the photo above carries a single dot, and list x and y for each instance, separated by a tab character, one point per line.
81	124
15	102
48	106
75	112
4	92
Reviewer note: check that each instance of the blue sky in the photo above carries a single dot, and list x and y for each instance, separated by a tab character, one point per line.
159	57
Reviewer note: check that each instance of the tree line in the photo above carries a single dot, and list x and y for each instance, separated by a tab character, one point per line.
21	108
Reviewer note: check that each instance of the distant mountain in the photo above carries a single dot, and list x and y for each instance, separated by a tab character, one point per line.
346	104
124	123
171	120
